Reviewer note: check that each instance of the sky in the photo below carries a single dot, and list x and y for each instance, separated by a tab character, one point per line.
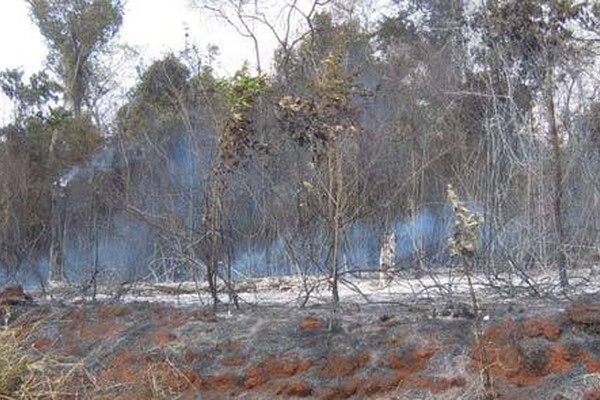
153	27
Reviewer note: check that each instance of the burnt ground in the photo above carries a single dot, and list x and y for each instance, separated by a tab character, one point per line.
529	349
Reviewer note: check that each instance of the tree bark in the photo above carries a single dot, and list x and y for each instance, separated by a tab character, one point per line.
58	231
558	184
215	231
334	198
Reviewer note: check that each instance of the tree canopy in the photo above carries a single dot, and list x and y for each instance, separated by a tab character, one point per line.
76	32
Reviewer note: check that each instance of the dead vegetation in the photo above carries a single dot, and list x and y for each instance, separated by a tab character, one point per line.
153	351
26	373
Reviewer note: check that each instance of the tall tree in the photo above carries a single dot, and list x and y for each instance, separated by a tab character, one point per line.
76	31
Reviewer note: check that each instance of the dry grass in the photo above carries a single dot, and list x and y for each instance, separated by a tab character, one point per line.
27	374
14	366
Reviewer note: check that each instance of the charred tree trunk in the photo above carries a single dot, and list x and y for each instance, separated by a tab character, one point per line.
556	138
334	198
56	270
96	242
215	230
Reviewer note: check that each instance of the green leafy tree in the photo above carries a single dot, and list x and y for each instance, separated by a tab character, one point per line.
37	147
159	101
76	31
29	98
27	181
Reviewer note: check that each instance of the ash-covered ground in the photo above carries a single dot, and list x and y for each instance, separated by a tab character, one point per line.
412	338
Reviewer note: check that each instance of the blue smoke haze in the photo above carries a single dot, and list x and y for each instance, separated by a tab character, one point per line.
126	246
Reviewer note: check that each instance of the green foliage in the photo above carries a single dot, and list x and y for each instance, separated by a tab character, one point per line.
242	90
429	22
55	144
535	35
29	98
163	82
75	139
169	99
396	29
76	32
437	111
36	152
238	136
158	99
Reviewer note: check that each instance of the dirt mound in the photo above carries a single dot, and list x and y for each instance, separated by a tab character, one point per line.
144	351
14	295
525	356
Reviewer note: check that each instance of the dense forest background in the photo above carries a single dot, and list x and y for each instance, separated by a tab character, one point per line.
304	163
